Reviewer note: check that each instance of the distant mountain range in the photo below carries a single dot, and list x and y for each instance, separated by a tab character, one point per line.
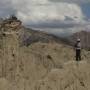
29	36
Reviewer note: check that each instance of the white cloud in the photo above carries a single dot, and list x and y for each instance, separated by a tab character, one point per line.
72	1
50	16
36	11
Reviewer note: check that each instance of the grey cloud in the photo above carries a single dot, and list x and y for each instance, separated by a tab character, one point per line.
71	1
56	24
6	8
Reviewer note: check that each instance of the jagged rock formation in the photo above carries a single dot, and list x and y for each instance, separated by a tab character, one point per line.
44	65
11	23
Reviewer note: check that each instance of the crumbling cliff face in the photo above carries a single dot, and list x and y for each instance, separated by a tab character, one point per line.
9	47
40	65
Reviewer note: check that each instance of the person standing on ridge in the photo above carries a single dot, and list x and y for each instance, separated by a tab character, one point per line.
78	50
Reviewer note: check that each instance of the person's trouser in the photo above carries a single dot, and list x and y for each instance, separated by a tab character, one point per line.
78	55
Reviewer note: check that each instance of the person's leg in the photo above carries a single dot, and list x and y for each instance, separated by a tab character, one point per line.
76	55
79	55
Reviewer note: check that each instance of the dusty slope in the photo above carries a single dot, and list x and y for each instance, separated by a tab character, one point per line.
73	76
47	66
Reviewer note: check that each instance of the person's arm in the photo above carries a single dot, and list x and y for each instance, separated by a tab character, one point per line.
75	45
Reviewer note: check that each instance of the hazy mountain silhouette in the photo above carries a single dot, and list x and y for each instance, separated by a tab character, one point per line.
84	36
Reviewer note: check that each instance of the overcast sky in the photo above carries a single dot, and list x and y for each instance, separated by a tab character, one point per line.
48	13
